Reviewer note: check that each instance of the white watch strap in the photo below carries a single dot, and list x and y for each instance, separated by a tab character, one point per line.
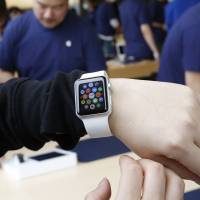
97	127
94	74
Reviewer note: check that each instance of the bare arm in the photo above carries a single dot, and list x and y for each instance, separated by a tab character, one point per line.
154	119
193	80
148	36
151	118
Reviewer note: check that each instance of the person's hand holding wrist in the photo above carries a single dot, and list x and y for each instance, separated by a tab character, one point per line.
143	179
159	121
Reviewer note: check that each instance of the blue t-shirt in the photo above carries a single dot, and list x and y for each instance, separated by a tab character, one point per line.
181	51
104	14
175	9
134	13
38	52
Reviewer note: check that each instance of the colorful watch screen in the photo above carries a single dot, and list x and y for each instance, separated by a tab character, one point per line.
92	96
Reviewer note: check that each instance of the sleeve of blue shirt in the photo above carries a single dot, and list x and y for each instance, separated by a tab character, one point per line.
191	49
169	15
112	13
8	48
144	17
95	60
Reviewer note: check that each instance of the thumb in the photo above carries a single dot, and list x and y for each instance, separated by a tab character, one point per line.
102	191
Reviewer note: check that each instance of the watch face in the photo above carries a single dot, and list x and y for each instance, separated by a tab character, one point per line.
92	96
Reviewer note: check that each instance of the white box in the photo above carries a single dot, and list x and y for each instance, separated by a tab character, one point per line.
56	159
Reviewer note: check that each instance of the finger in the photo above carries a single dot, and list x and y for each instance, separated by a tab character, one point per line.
174	186
154	180
131	179
178	168
102	192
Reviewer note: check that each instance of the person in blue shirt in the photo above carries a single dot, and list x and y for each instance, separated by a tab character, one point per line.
140	43
107	24
156	10
50	39
175	9
180	58
14	12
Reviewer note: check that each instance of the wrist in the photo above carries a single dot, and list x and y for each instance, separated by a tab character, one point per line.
156	55
120	108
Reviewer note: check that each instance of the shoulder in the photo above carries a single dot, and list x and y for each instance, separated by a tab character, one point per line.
185	27
24	19
21	23
190	19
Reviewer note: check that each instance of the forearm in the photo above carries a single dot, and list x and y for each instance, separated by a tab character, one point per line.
153	119
33	113
149	38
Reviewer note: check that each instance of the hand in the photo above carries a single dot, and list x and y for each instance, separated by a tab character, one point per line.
144	177
156	55
5	76
159	121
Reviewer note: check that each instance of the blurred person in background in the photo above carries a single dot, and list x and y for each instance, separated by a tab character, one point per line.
92	5
180	60
107	25
175	9
49	39
157	12
136	27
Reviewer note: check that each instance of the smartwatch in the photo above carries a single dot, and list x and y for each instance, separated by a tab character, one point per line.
93	103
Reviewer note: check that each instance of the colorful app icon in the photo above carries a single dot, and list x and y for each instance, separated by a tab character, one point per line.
85	96
98	94
91	95
92	106
86	107
82	91
100	99
96	84
91	85
85	86
100	89
82	102
88	91
94	89
95	100
98	105
88	101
